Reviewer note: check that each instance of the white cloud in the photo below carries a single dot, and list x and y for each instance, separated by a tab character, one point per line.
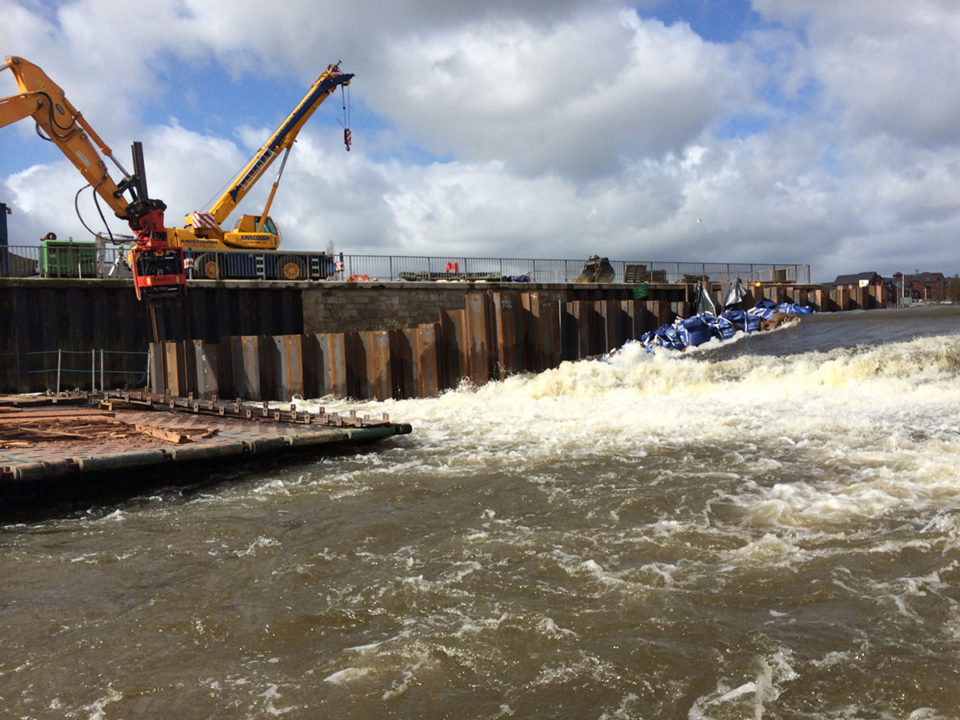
565	128
884	67
578	97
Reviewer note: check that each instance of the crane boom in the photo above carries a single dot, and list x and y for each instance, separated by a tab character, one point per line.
281	140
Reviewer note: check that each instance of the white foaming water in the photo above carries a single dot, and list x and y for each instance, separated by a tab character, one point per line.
855	431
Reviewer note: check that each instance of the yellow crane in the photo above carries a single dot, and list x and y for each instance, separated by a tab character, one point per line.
157	261
203	230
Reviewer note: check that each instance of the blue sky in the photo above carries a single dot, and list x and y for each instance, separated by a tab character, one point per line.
792	131
720	21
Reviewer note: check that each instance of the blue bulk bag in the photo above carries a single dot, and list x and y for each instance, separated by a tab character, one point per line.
794	309
723	328
664	336
763	312
748	322
697	331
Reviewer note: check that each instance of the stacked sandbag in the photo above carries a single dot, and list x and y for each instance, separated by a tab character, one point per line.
703	327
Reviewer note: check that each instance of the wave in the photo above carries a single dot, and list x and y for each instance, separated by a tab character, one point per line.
899	380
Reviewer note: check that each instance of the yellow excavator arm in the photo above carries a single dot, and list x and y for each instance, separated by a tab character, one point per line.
61	123
158	268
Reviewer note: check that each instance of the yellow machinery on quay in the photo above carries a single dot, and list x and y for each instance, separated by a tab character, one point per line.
157	253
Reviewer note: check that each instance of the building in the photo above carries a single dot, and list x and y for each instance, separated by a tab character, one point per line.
919	287
852	282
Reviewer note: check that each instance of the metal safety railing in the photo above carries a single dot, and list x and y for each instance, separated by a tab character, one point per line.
545	270
82	260
65	259
90	369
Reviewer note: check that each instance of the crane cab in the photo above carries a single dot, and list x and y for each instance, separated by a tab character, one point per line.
250	234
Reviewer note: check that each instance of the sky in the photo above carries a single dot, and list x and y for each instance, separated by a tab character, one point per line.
761	131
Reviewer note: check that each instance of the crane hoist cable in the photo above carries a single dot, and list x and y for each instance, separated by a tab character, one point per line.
345	98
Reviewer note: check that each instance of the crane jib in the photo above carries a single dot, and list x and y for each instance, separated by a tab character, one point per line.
269	152
265	159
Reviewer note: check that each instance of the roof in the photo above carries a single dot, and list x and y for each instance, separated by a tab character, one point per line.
925	278
855	279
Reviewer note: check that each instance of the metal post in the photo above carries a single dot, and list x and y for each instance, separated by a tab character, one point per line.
102	386
4	242
59	363
93	370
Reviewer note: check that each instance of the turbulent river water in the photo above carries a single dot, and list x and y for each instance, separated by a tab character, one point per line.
765	529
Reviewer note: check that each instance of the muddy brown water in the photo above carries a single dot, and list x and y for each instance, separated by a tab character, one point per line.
735	534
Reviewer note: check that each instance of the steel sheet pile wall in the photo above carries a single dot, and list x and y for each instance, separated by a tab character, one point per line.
836	299
496	334
433	335
38	318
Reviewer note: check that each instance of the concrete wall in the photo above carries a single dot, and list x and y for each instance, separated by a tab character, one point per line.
343	307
